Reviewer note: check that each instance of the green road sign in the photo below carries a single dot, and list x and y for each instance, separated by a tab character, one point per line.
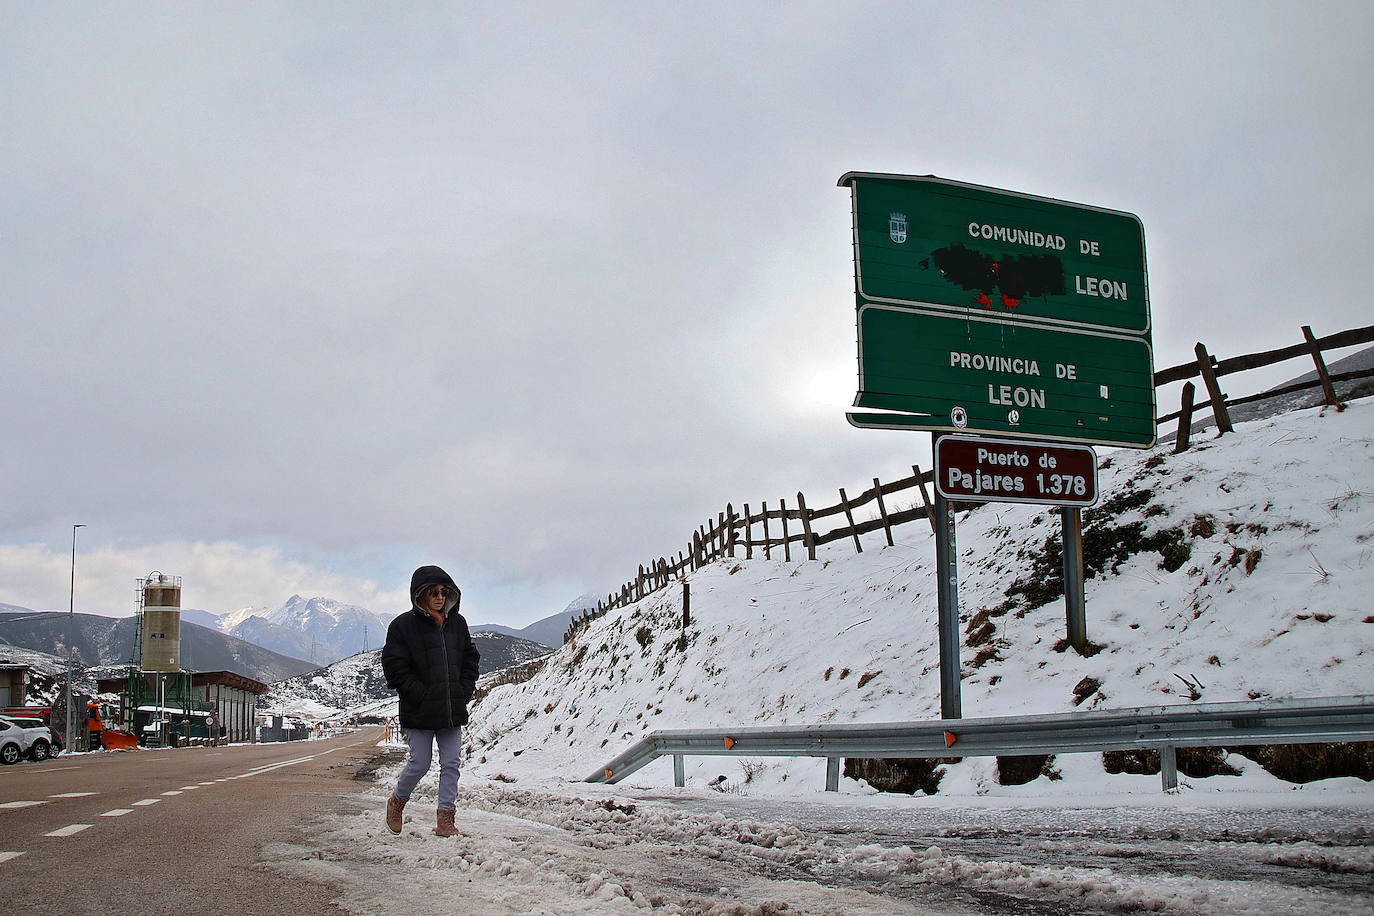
925	241
991	311
985	373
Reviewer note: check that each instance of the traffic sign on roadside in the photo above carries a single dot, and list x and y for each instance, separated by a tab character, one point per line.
989	311
982	374
978	469
927	241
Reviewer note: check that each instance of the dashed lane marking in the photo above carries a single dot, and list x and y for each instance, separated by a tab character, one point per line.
22	804
172	792
118	812
189	788
68	830
56	769
72	795
6	856
147	801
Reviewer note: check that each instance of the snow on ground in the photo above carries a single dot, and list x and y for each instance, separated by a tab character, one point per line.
1267	600
592	849
1253	584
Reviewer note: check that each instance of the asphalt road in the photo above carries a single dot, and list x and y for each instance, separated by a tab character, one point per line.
172	831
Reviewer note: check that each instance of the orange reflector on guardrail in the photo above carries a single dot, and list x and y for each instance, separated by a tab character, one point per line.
608	774
950	738
729	743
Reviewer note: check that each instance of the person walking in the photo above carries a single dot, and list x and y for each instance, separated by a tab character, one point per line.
429	659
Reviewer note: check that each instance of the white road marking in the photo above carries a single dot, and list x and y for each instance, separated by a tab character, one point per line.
210	783
147	801
172	792
189	788
72	795
55	769
6	856
118	812
274	766
69	830
22	804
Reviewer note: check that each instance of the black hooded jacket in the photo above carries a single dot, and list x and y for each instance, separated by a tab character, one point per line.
433	668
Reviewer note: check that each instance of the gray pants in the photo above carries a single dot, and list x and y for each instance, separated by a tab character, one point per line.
422	741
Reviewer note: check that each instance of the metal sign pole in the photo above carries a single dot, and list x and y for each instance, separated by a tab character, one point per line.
947	587
1074	601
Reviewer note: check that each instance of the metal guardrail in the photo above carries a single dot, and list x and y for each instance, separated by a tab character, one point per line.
1164	728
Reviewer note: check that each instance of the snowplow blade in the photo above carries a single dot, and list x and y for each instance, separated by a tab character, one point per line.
118	741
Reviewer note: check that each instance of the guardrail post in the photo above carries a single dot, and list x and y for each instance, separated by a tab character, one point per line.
1168	767
832	774
1074	600
679	772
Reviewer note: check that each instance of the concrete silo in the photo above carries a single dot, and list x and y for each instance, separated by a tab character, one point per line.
159	644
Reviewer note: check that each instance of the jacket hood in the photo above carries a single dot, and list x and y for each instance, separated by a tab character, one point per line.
426	576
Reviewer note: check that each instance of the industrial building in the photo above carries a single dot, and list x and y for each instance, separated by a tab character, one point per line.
163	704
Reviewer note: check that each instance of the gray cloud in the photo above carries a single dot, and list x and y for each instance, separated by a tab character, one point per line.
533	290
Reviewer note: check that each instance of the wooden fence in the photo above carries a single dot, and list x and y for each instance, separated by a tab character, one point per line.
766	531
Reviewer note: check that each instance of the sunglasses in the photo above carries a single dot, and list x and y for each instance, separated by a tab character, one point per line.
440	590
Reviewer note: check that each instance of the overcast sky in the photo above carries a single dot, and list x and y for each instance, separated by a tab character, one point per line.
296	297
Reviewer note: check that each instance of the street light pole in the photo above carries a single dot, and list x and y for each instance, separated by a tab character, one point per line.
71	642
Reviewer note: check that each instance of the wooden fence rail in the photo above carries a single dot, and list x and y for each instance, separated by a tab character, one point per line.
732	533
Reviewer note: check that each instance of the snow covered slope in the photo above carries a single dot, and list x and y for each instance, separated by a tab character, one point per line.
1239	569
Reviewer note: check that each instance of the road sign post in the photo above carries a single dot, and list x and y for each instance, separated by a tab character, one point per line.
947	596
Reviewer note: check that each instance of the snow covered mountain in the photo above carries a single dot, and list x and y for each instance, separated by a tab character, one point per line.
548	631
321	630
355	685
1237	570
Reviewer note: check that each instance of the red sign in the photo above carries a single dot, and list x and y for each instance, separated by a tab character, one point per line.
975	469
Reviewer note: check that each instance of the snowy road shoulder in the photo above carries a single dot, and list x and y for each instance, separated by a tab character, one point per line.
598	850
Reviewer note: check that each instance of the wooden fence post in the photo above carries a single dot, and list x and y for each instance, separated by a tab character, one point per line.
748	534
1328	389
807	537
767	547
844	501
925	496
786	542
882	510
1209	378
730	525
1185	418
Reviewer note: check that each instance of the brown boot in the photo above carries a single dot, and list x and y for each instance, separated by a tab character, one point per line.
445	827
394	807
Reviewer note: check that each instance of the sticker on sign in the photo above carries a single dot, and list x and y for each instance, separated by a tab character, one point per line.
976	469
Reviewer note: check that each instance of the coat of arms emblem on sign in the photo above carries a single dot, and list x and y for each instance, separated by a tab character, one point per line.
896	227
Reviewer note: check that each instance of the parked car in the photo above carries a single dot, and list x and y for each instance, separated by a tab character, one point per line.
37	740
14	742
